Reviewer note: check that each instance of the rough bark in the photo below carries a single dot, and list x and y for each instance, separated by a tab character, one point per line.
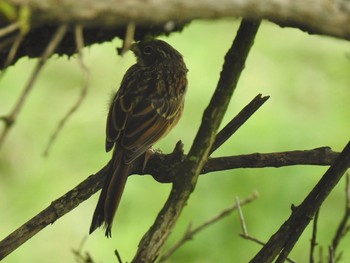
329	17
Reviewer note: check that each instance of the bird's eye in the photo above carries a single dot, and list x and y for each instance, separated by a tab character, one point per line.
148	50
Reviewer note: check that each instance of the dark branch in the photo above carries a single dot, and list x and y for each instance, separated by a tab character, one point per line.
285	238
11	118
107	19
54	211
191	232
159	166
313	242
238	121
192	165
342	229
37	39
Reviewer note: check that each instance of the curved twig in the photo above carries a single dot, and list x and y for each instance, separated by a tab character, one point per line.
79	40
191	232
285	238
11	118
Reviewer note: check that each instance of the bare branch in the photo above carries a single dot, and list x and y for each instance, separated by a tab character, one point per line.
105	20
10	119
54	211
129	38
13	50
238	121
79	40
192	165
118	256
285	238
245	233
78	253
190	233
9	29
342	229
313	242
328	17
159	164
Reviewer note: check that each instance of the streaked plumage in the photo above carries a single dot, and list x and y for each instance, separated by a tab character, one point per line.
147	106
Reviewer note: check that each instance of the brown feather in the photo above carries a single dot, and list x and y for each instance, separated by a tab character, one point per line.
147	106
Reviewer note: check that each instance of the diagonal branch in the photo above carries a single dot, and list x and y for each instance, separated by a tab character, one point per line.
285	238
10	119
191	232
54	211
79	40
238	121
160	164
342	229
245	233
313	242
191	167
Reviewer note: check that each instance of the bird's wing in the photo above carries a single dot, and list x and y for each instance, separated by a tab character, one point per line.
149	121
121	106
140	114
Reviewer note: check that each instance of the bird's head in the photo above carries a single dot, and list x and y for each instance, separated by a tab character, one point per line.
154	52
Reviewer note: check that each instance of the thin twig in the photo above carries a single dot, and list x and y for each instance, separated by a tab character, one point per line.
238	121
320	254
245	233
80	258
79	40
313	242
116	252
12	53
129	38
12	117
7	41
9	29
331	254
18	40
282	242
342	227
15	45
191	232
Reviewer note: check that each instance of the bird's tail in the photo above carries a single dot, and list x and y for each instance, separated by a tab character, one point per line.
110	195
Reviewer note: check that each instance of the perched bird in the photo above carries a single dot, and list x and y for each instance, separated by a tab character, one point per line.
147	106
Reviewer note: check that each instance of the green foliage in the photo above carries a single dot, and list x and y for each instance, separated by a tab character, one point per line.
7	10
308	80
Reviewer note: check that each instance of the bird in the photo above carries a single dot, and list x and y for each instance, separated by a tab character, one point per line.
148	104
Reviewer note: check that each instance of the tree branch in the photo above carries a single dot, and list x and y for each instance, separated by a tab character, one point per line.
79	41
238	121
191	232
192	165
285	238
160	164
11	118
342	227
245	233
105	20
313	242
329	17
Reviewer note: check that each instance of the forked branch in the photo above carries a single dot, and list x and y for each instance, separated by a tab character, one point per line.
190	168
282	242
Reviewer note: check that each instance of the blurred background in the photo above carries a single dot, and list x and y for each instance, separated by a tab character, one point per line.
308	80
